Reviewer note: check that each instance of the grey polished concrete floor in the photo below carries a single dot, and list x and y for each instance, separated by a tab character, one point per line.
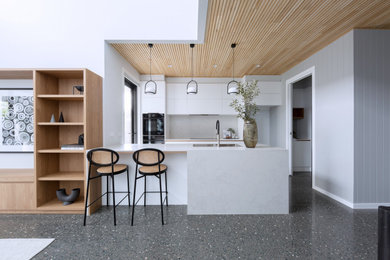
317	228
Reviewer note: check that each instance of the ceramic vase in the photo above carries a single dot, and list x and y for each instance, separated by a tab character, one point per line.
250	133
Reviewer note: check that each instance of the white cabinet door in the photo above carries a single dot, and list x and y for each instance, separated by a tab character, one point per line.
270	93
177	106
204	106
226	108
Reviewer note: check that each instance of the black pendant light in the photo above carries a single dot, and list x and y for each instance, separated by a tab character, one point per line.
232	87
192	85
150	85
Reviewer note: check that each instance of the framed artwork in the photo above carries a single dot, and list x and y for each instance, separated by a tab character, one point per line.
16	120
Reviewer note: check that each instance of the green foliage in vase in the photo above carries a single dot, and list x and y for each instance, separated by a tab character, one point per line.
244	103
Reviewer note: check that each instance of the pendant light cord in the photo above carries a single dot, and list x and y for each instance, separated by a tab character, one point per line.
233	63
150	62
192	63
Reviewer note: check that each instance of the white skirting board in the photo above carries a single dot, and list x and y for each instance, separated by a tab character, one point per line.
350	204
369	205
335	197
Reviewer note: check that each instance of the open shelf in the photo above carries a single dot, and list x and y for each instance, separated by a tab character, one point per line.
58	150
61	123
63	176
62	97
56	205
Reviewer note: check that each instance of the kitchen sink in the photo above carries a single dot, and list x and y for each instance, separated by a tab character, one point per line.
215	145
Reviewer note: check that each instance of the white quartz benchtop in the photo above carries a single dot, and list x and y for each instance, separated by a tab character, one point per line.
183	147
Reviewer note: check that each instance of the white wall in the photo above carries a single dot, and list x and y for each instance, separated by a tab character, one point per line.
263	125
333	110
71	34
116	68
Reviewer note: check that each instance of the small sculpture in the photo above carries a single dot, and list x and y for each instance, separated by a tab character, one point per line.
52	119
61	118
67	199
79	88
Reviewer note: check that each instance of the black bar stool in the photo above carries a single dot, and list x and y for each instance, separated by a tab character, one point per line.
106	161
150	159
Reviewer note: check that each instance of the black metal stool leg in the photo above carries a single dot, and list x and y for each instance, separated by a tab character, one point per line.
113	197
161	201
135	191
128	186
166	188
144	190
107	190
86	201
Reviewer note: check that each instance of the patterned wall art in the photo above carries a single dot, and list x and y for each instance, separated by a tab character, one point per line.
16	120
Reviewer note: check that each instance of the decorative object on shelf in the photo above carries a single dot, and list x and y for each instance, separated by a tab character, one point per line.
80	89
150	85
52	119
61	119
230	133
68	199
246	108
16	120
72	147
81	139
192	85
232	87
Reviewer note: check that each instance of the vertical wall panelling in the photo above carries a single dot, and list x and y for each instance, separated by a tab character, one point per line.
372	116
333	106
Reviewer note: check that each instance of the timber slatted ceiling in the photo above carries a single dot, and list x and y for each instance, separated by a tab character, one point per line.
277	34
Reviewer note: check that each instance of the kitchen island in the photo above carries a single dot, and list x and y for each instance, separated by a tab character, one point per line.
218	180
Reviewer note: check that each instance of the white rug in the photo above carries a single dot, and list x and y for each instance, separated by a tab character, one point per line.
22	249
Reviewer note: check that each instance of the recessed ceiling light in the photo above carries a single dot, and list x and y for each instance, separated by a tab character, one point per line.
257	65
169	66
215	65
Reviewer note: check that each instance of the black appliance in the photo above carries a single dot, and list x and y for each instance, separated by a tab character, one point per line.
153	128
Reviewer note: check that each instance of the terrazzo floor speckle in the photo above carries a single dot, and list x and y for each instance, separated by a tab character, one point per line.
316	228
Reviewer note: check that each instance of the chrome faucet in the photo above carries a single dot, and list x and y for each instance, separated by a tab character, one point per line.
218	135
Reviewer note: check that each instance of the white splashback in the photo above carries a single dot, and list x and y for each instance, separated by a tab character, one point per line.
198	126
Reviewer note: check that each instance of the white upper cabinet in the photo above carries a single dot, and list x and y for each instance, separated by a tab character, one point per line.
270	93
212	98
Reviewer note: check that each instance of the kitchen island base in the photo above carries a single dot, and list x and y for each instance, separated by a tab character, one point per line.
252	181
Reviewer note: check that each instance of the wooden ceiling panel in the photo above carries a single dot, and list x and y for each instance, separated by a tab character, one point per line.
274	34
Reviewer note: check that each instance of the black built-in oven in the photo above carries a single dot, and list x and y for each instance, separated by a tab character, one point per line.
153	128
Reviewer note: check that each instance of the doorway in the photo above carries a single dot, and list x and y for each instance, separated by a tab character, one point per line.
301	126
130	113
300	134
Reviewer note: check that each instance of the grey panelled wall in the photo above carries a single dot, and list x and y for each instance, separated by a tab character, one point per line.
372	116
333	122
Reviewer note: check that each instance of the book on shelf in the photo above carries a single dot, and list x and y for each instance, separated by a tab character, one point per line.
72	147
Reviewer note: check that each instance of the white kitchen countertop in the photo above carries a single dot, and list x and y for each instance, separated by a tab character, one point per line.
184	147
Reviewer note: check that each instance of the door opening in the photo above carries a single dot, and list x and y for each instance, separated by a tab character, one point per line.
130	107
302	126
300	122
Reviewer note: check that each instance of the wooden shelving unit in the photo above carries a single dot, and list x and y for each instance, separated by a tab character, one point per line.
56	168
54	206
62	97
63	176
61	124
58	150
